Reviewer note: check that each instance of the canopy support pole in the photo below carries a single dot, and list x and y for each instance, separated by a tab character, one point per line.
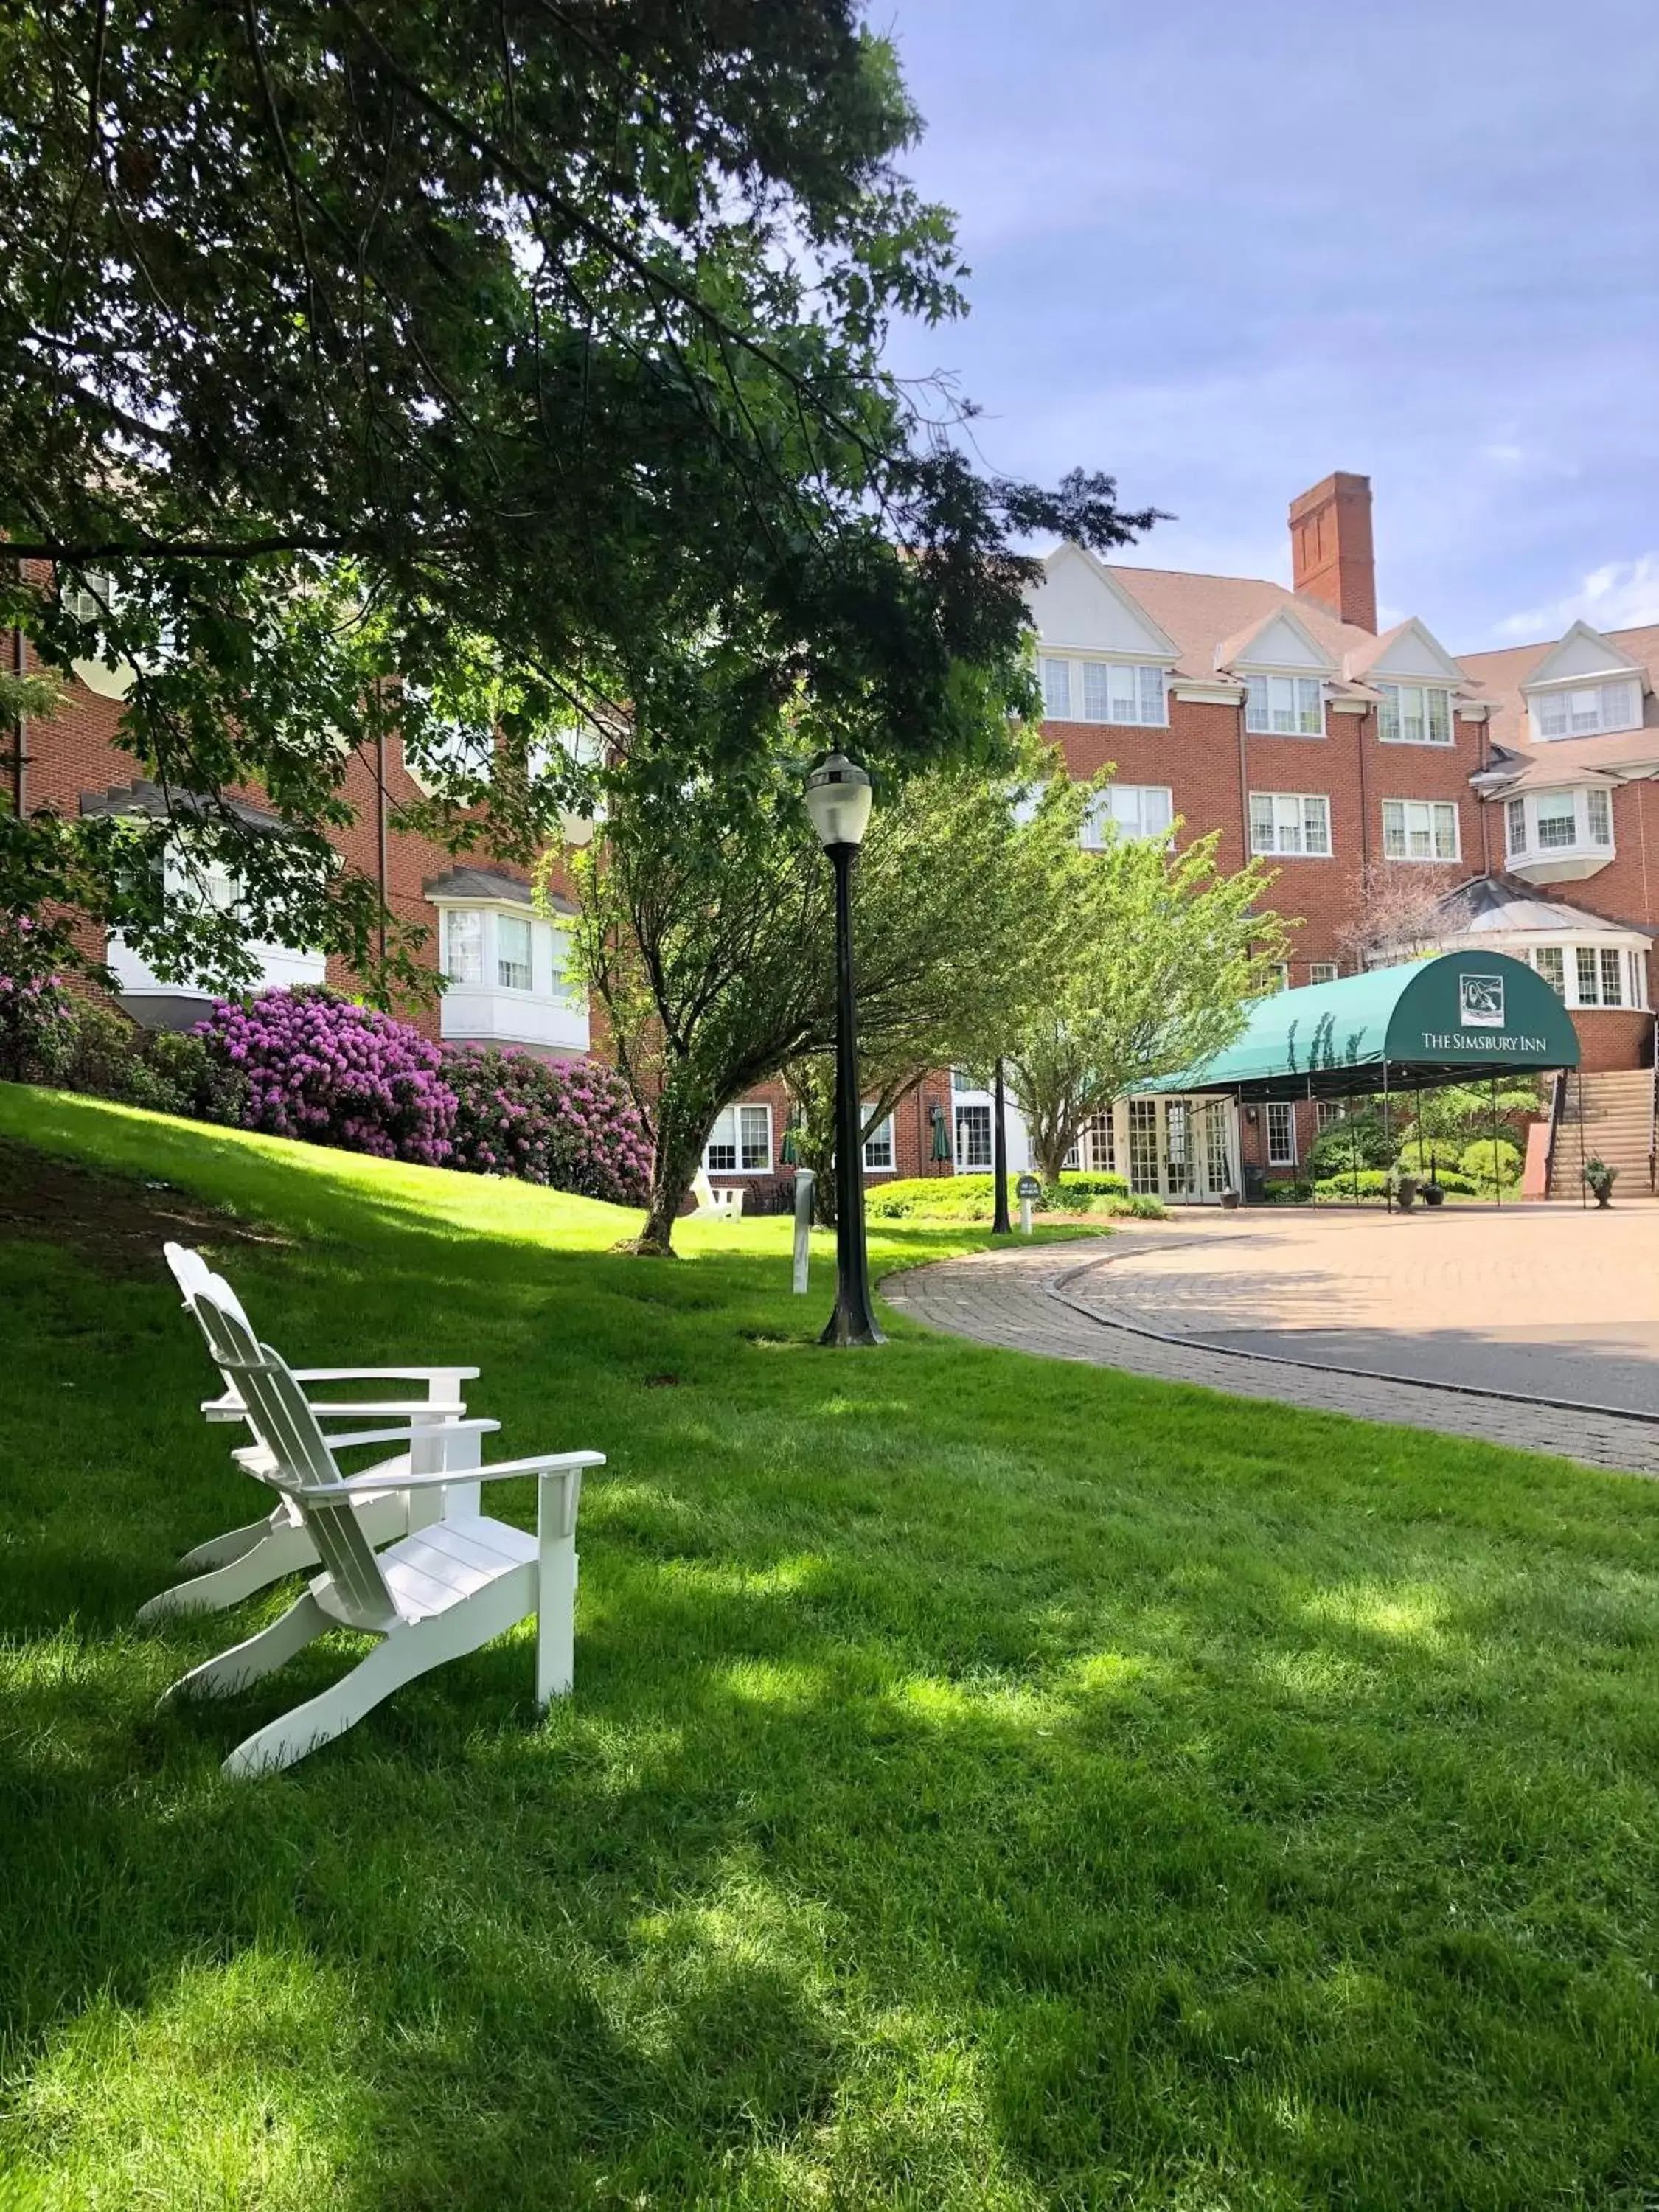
1583	1161
1497	1164
1388	1186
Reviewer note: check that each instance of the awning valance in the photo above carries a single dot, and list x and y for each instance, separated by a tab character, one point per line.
1456	1018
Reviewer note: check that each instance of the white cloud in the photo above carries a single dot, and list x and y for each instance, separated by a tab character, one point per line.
1620	595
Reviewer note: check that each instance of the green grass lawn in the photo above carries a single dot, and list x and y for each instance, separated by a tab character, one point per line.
989	1783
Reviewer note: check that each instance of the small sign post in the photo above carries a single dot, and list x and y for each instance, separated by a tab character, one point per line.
1027	1190
805	1181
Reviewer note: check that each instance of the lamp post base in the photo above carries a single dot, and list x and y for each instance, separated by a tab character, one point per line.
845	1327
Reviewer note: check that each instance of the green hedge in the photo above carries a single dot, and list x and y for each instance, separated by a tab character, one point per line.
971	1197
1373	1183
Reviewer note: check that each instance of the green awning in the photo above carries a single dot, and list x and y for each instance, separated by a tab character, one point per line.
1455	1018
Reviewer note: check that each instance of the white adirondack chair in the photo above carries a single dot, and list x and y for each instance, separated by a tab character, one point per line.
434	1595
232	1566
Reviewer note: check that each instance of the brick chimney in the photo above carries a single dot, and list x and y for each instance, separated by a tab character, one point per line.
1331	554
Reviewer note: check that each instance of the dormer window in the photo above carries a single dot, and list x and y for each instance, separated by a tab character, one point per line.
1284	706
1586	710
1414	714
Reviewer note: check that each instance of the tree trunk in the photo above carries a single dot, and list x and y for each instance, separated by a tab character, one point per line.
680	1139
1051	1146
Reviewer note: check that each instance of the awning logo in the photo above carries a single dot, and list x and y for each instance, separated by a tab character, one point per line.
1480	1002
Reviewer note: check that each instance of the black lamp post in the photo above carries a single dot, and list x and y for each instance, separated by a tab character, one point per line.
838	799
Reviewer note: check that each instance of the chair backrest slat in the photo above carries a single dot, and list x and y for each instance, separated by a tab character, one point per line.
281	1417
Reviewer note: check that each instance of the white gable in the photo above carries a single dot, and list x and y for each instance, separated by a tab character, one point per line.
1079	603
1411	654
1282	642
1583	652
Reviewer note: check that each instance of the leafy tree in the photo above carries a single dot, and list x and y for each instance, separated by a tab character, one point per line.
1164	951
378	367
707	934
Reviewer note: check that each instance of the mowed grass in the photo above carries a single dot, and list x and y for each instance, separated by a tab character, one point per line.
989	1783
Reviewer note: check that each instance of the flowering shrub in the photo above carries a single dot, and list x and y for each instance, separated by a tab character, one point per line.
34	1011
573	1126
319	1067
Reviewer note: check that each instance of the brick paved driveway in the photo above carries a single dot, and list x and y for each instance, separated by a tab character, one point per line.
1543	1323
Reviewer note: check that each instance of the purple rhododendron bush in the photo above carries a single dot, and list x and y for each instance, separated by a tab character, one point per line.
319	1067
572	1125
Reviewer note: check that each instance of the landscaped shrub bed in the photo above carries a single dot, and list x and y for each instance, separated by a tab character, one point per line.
573	1126
972	1197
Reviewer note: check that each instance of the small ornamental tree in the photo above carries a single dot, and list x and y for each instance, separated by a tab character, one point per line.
34	1012
320	1068
573	1126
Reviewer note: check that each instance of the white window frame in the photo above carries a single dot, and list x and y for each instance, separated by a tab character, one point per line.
1145	682
1054	674
1279	971
514	921
731	1132
1434	813
1130	822
1584	843
1280	804
1403	704
1625	965
968	1116
472	942
1618	706
1281	1133
1323	971
879	1139
550	1013
1284	706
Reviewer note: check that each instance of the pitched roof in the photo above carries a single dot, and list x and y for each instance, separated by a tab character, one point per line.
1490	905
491	884
1202	612
144	796
1499	677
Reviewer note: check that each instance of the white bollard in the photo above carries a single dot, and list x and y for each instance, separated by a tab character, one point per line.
1027	1190
805	1181
1025	1216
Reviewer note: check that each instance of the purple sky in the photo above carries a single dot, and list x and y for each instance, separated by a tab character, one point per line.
1220	250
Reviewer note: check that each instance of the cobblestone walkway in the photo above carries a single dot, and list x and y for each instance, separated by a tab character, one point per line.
1050	1299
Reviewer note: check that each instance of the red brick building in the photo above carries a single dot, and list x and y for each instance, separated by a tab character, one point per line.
1355	762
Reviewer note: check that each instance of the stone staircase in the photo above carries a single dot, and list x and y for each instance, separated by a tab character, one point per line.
1618	1129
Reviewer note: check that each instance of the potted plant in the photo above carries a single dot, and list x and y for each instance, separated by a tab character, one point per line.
1230	1201
1405	1188
1601	1178
1432	1195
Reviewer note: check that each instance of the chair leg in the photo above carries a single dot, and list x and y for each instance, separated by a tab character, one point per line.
555	1621
407	1650
281	1552
220	1550
273	1647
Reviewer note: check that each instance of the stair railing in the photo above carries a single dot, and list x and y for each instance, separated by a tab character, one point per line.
1557	1108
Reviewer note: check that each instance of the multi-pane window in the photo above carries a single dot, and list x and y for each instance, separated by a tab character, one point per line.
1291	821
513	953
973	1136
1560	821
1056	688
1414	714
1144	1178
463	946
1420	829
90	600
1281	1133
879	1147
1328	1111
1322	971
1555	820
1275	978
1100	1143
1580	710
740	1142
1284	706
1117	691
1551	963
1601	975
1134	810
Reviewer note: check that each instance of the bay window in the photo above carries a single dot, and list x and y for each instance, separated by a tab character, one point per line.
1568	832
506	966
1284	706
1593	974
1291	821
1414	714
1420	830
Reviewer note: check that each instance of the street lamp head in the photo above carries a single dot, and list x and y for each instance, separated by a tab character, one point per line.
838	797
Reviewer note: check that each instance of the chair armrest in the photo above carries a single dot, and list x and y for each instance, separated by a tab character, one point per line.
547	1463
381	1374
412	1435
